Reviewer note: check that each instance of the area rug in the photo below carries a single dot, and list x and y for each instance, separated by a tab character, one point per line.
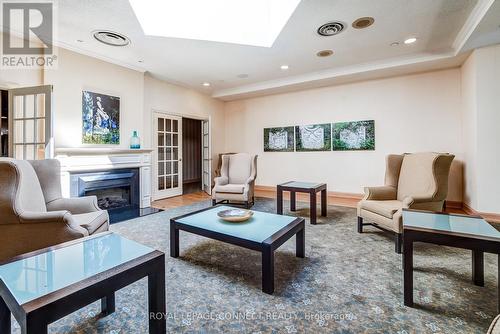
348	283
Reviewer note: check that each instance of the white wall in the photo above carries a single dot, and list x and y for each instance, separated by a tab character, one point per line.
469	133
482	128
12	78
412	113
77	72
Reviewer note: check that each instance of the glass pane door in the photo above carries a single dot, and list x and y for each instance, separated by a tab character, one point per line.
207	161
30	123
168	156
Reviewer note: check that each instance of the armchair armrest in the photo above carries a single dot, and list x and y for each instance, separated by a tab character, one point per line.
410	200
383	193
76	205
221	180
46	217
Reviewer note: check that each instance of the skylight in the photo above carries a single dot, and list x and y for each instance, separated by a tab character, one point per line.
249	22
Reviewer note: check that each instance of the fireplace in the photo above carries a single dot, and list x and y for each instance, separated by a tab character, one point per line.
117	190
114	189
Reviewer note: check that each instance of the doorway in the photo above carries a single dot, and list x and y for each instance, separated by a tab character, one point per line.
26	130
181	153
191	156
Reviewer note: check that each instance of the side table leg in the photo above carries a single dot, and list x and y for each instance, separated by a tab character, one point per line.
292	201
408	271
323	202
34	327
267	269
108	304
300	243
279	200
157	299
174	240
4	317
312	206
478	267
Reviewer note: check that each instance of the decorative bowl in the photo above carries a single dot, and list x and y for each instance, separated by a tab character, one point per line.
235	215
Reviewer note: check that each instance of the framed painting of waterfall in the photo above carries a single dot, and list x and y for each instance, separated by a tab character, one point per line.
100	118
279	139
316	137
354	136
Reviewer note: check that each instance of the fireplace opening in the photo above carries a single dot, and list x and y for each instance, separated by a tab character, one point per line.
113	198
117	190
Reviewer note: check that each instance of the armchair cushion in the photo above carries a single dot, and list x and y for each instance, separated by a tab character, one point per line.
230	188
92	221
383	208
240	168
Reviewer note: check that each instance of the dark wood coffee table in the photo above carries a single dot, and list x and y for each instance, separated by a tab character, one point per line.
41	287
264	232
453	230
302	187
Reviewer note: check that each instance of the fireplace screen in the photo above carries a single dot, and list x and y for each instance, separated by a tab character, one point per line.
114	189
111	198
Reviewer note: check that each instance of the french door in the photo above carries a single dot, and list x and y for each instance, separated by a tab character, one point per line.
30	123
167	156
207	158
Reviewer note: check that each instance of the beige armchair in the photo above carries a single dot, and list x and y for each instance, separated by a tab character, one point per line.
412	181
237	180
33	213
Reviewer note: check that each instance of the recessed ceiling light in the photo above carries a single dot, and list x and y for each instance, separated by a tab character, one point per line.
206	84
410	40
394	43
256	22
284	67
324	53
363	22
79	40
242	76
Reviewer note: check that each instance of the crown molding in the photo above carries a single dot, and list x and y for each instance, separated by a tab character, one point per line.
375	70
471	24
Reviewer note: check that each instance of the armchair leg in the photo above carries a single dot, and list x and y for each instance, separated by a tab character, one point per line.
360	225
214	202
398	242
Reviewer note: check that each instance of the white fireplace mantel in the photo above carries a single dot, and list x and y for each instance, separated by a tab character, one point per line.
102	159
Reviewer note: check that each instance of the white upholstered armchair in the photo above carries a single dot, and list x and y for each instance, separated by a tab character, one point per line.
237	180
33	213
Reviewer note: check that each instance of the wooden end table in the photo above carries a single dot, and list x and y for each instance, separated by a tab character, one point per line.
303	187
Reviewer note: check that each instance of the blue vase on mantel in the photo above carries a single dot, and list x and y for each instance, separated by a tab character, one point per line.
135	141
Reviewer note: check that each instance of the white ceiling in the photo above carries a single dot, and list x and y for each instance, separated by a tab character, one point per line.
444	28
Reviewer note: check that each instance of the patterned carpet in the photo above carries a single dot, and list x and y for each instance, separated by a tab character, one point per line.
348	283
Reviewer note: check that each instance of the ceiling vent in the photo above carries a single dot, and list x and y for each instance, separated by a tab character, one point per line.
111	38
331	28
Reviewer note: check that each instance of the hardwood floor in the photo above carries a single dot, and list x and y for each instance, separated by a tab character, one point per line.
177	201
174	202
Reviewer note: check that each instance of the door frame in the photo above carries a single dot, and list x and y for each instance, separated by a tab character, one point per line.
154	174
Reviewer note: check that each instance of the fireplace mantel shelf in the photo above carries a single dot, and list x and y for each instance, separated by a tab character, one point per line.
98	151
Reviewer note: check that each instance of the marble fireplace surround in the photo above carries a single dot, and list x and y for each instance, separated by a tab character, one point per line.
81	160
